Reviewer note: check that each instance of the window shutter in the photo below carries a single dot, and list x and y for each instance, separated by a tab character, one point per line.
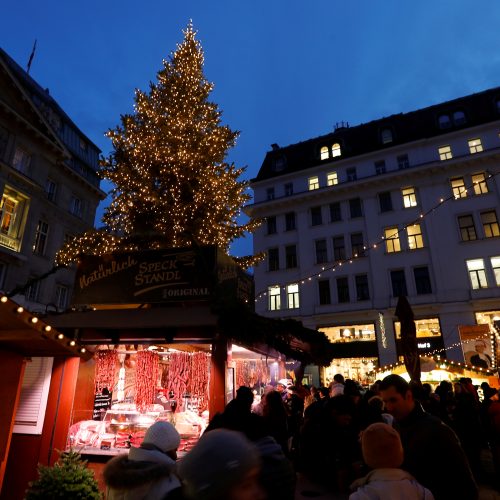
34	393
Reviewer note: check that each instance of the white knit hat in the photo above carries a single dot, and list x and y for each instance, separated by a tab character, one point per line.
163	435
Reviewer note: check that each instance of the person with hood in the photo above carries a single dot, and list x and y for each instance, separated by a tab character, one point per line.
148	472
383	453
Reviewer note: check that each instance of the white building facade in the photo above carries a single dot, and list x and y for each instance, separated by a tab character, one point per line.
409	205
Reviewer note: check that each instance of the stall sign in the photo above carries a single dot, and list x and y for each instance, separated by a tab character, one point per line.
102	403
146	277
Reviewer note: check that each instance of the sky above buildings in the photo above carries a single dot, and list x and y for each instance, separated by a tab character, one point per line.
284	70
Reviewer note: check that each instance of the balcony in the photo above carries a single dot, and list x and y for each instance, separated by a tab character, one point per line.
11	243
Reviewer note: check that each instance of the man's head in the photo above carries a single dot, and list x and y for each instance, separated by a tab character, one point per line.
397	396
480	346
339	378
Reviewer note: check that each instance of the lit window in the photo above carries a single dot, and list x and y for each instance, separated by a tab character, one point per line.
392	243
459	118
477	274
41	235
422	280
321	251
332	179
13	206
270	194
313	183
288	189
495	264
291	256
475	146
467	227
273	257
386	136
316	216
292	296
480	185
351	174
324	153
362	290
403	161
458	188
409	197
445	153
444	121
22	160
380	167
62	295
336	150
50	189
425	327
415	239
490	224
274	293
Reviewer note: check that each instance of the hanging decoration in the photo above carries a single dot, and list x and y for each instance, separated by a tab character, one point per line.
146	379
105	367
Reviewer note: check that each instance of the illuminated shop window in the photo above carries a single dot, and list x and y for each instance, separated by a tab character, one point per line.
392	242
336	150
445	153
475	146
350	333
477	273
359	369
409	197
458	188
415	238
428	327
479	181
292	296
274	293
332	179
324	153
313	183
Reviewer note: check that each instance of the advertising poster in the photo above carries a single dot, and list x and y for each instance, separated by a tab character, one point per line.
476	345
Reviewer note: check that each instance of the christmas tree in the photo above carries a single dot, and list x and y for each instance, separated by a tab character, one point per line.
68	478
172	184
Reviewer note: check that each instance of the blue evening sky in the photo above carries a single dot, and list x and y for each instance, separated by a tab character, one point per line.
284	70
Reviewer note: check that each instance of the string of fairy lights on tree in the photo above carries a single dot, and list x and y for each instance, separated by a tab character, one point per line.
172	184
373	246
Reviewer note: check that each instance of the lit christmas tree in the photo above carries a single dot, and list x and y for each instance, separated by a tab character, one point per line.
172	185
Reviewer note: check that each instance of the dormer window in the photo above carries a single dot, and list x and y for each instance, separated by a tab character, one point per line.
336	150
279	163
386	135
459	118
444	121
324	153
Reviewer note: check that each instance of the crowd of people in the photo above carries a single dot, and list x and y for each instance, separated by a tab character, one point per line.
393	440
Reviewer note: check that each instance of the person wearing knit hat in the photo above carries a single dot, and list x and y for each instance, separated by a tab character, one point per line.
148	472
383	452
223	465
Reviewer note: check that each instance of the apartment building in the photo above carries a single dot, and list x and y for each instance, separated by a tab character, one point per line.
49	188
408	204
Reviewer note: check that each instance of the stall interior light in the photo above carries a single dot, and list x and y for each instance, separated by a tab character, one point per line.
72	343
4	299
47	328
20	309
60	336
82	350
34	319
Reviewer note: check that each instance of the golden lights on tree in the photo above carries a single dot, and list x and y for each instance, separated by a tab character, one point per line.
172	184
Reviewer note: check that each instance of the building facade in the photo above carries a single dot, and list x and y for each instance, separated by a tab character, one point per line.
407	204
49	188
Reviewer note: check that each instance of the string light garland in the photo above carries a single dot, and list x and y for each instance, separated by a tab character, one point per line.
172	184
373	246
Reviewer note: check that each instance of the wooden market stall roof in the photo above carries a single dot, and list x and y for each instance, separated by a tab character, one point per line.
25	333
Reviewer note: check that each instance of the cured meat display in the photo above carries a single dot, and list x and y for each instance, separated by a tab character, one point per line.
252	373
105	366
146	379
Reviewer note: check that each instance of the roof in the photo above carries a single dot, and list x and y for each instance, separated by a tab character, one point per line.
479	108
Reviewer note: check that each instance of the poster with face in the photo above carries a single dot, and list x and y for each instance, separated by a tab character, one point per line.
476	344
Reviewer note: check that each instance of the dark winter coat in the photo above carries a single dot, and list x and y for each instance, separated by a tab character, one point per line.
433	455
143	475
